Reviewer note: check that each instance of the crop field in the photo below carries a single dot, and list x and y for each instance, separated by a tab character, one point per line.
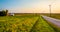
53	15
24	24
57	16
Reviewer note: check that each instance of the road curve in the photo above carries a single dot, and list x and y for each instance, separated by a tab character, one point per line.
52	20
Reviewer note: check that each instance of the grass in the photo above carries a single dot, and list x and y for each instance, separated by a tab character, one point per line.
24	24
16	23
42	26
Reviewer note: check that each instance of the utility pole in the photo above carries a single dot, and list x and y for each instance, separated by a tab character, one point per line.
50	9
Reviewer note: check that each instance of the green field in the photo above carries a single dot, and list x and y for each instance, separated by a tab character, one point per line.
24	24
53	15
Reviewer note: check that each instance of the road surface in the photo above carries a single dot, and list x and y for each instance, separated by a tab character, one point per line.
52	20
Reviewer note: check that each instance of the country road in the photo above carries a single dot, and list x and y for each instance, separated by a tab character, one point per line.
52	20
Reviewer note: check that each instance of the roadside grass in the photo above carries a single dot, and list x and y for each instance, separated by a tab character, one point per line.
56	16
42	26
57	29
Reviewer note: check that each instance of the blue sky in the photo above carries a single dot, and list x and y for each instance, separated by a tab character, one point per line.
28	6
10	3
16	3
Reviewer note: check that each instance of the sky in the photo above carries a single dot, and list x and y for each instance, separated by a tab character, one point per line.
30	6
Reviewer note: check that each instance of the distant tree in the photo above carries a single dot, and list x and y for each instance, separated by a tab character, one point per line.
4	12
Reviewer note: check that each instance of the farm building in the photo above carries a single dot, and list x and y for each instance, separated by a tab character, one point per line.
11	14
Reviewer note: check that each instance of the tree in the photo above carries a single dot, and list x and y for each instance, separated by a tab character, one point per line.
4	12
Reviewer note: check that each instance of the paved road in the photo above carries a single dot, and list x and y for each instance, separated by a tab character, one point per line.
52	20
